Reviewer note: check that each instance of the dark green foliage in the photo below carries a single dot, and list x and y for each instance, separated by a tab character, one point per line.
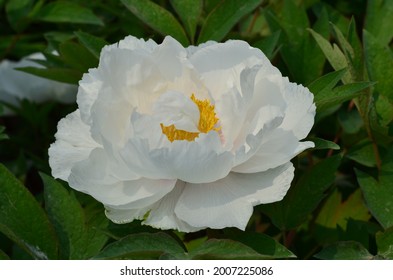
340	204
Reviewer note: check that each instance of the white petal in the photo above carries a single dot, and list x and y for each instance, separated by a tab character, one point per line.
123	216
73	144
130	194
163	216
221	56
229	202
17	85
300	112
253	135
177	109
202	160
277	148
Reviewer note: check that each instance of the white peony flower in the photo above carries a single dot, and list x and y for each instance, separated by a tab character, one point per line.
16	85
183	138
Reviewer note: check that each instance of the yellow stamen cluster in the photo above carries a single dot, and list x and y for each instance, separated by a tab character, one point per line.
207	122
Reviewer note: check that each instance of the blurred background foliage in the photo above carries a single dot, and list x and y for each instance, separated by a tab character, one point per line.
340	205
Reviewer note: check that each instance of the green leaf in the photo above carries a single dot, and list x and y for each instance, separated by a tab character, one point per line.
63	75
385	243
332	53
304	61
337	213
223	249
304	196
3	136
378	195
350	121
379	20
322	144
363	153
323	85
142	246
157	18
92	43
67	12
66	215
223	17
3	256
189	12
379	62
78	239
23	220
77	56
17	13
269	45
340	94
345	250
263	244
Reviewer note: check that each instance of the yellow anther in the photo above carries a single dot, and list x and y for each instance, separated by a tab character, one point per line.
207	122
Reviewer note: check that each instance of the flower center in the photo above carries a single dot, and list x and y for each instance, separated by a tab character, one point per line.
207	122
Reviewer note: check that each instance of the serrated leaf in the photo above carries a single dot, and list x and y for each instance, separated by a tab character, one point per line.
332	53
385	243
23	220
378	195
322	144
79	238
66	215
335	212
189	12
157	18
224	249
92	43
340	94
67	12
77	56
326	83
63	75
303	197
223	17
379	62
345	250
142	246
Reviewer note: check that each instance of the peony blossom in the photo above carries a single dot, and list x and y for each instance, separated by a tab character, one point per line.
183	138
16	85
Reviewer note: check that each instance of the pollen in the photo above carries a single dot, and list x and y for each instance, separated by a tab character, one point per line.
207	122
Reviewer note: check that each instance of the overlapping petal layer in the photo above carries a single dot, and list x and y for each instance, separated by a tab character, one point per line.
183	138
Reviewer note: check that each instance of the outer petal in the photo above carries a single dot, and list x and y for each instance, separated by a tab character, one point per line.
73	144
163	216
134	194
278	148
300	110
219	56
229	202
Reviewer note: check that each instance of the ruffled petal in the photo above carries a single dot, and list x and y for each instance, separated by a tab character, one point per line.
300	112
162	214
279	147
73	144
229	202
